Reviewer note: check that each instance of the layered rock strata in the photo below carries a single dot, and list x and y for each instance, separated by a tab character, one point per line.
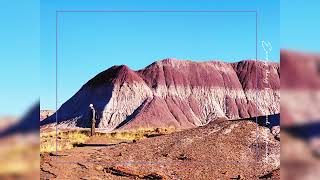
178	93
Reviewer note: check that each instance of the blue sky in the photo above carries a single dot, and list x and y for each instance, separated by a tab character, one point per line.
300	25
20	42
89	43
20	55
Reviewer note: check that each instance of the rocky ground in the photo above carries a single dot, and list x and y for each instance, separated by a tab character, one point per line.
219	150
298	161
19	157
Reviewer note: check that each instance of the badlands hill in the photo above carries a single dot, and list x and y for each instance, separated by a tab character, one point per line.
300	84
300	70
170	92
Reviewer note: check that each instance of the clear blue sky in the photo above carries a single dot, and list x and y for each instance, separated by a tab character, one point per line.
20	19
19	55
92	42
300	25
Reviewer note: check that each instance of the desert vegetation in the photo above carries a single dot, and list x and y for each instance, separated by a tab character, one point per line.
65	140
18	159
72	138
138	134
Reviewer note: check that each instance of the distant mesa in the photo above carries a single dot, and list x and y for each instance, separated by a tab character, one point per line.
45	114
174	93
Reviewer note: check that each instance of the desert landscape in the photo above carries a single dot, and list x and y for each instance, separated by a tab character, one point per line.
19	146
174	119
300	119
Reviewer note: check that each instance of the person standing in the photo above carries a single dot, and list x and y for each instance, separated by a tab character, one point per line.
92	119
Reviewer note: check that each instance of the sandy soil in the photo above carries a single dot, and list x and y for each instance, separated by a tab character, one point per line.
221	150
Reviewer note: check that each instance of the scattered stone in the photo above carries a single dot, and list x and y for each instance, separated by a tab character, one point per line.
126	172
165	154
82	166
237	178
153	176
99	168
266	176
275	130
183	157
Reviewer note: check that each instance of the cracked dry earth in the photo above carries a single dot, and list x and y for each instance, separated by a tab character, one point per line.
219	150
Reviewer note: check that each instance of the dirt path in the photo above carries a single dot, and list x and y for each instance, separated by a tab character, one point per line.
88	161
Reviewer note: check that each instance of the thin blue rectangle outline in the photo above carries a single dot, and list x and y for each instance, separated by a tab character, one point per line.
152	11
